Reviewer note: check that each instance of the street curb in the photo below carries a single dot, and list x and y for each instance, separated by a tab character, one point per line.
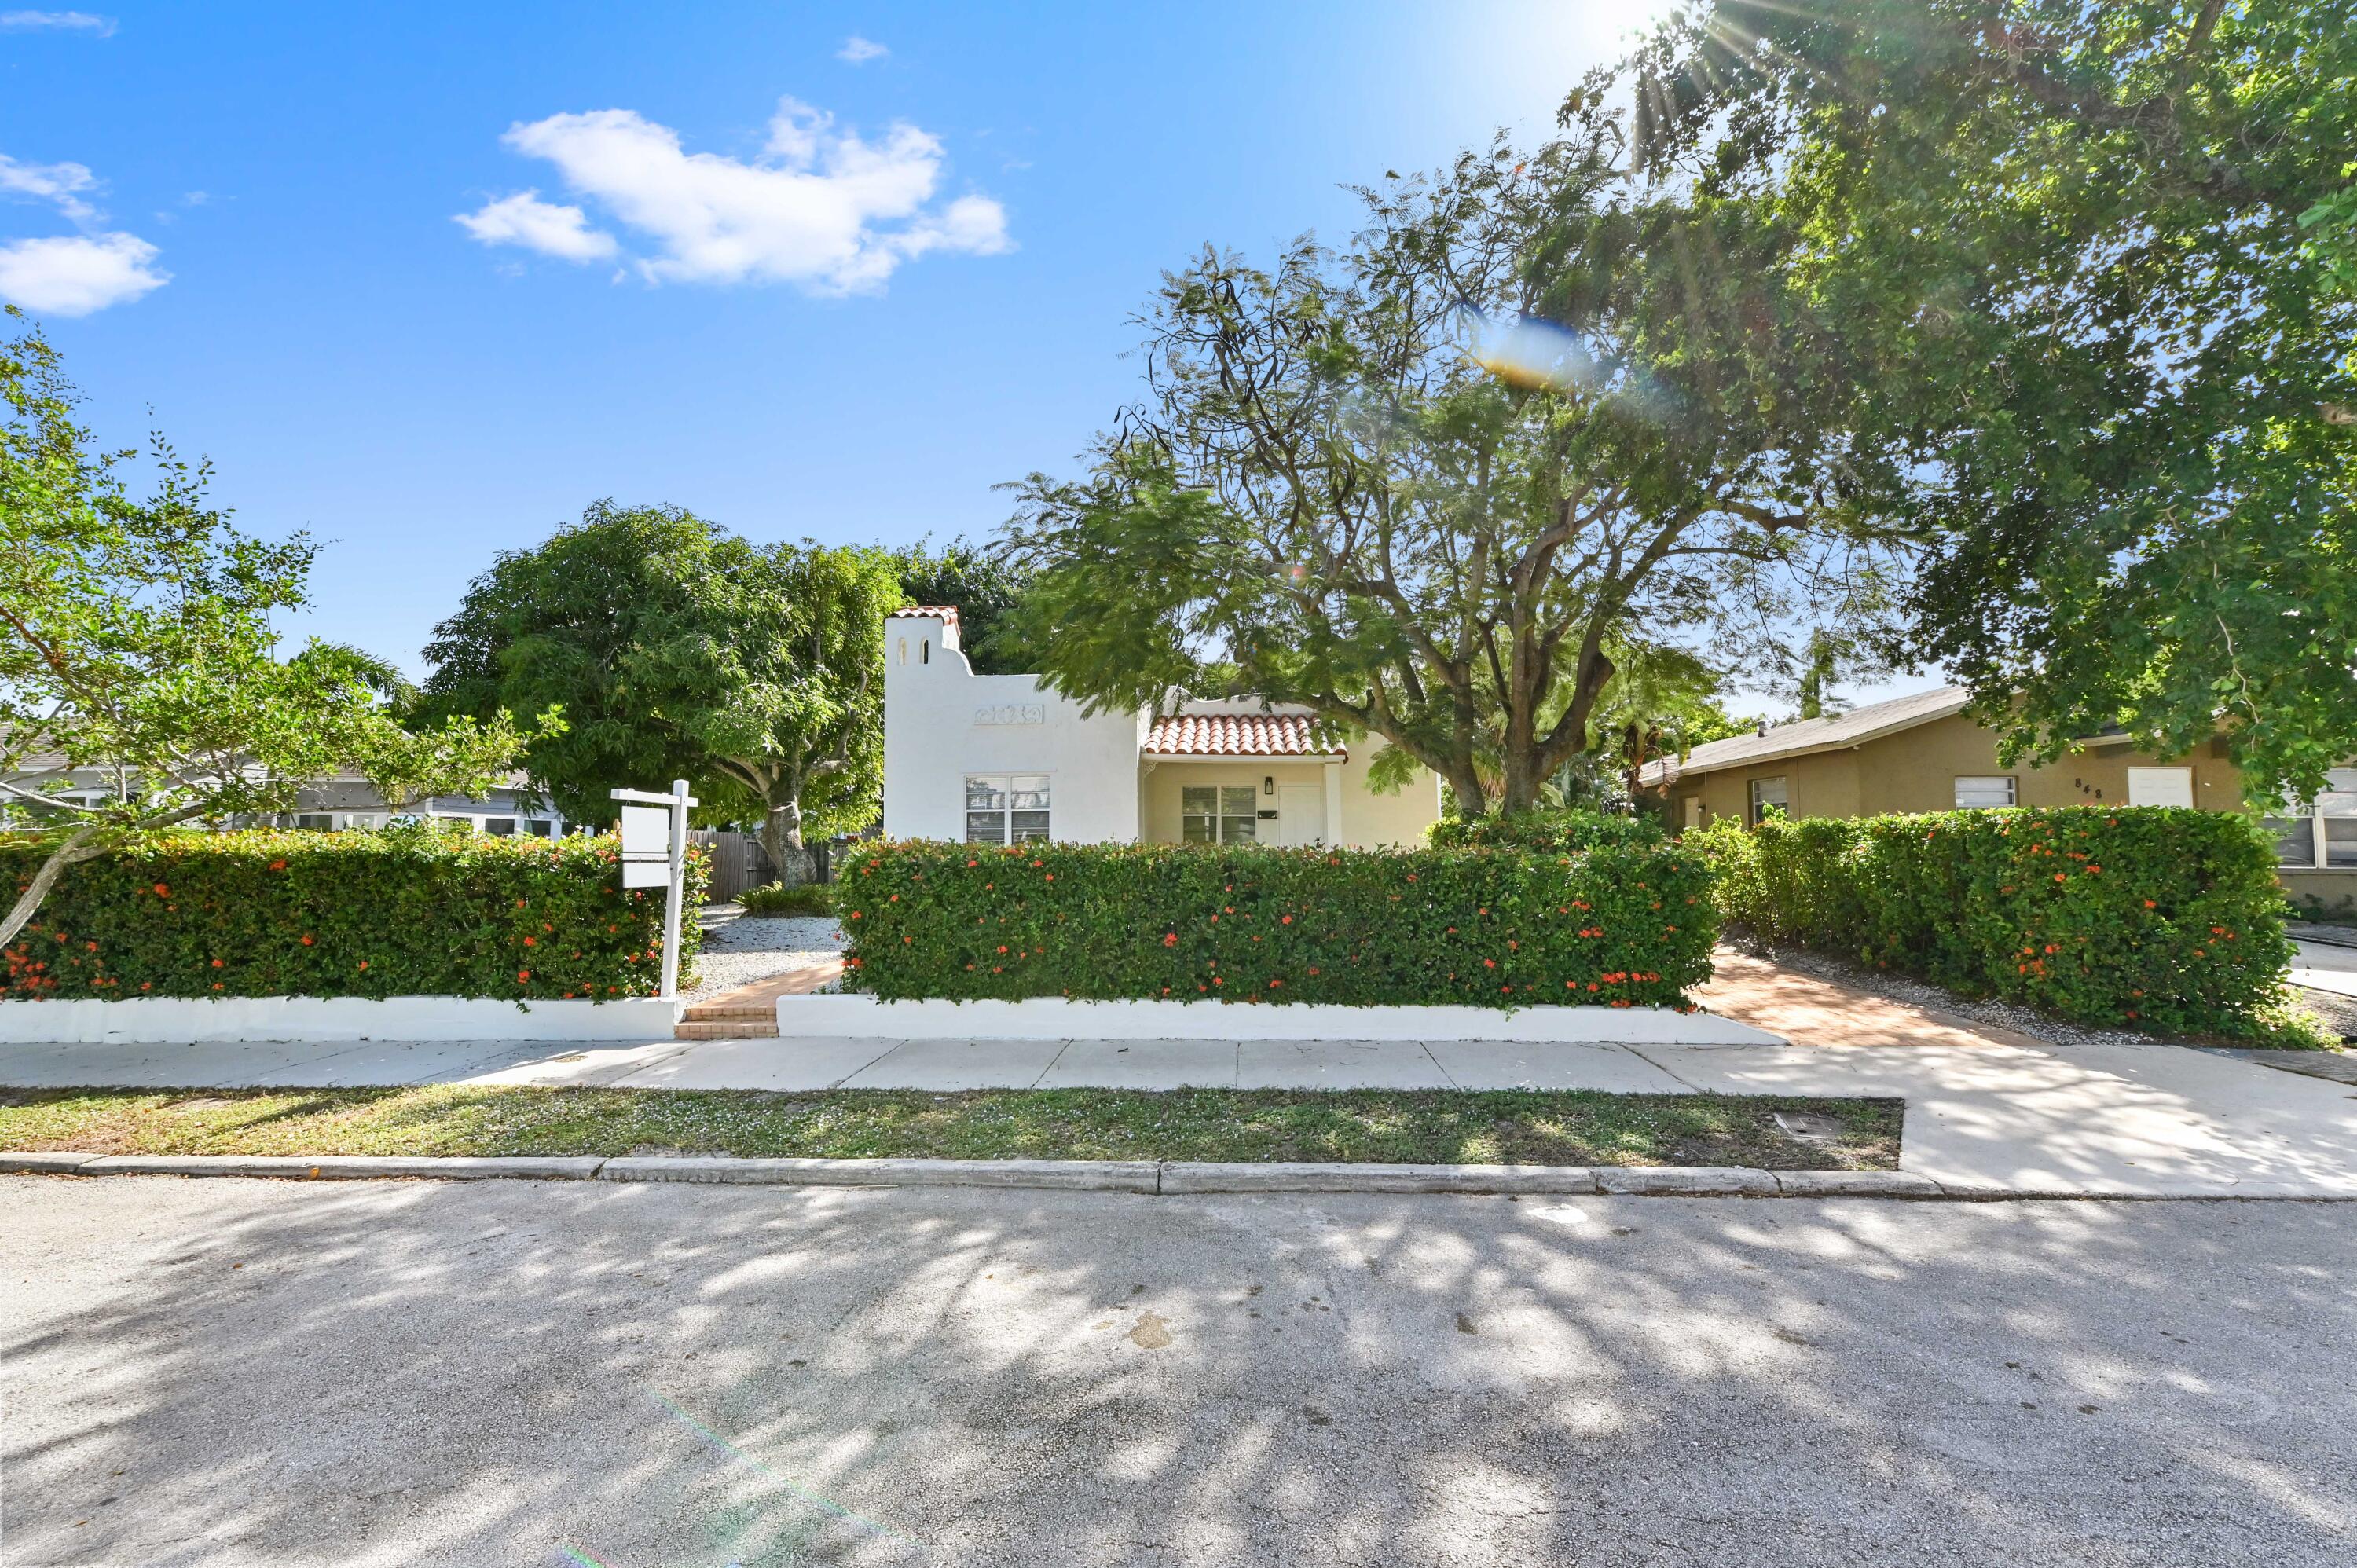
1071	1175
19	1164
347	1167
1192	1175
1143	1178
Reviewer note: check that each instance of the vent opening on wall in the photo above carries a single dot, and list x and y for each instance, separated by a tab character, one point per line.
925	651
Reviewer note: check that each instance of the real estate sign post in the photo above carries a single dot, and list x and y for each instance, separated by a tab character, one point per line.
655	854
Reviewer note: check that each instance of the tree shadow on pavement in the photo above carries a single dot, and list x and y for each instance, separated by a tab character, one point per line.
211	1372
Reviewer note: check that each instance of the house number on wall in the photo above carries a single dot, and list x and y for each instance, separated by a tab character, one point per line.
1012	714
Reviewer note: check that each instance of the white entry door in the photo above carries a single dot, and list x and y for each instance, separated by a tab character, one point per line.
1300	815
2161	785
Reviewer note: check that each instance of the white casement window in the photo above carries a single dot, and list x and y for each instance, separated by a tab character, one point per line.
539	828
1218	813
1770	798
2322	834
500	827
1005	808
1983	791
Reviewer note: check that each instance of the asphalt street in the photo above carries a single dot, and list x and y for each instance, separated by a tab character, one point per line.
249	1372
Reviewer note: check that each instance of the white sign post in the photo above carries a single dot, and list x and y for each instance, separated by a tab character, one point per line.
655	854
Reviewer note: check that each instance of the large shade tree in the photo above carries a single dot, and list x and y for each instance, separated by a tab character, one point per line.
1437	485
679	650
140	650
2090	273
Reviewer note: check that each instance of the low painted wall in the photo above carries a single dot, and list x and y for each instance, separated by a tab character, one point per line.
174	1021
1059	1018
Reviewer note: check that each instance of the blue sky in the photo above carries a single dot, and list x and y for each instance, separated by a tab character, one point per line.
800	322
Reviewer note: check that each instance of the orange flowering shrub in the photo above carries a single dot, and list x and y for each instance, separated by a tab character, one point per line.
2151	916
405	912
1615	925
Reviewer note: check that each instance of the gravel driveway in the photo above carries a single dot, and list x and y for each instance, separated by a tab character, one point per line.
740	948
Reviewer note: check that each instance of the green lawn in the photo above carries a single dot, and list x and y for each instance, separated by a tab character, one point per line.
1426	1127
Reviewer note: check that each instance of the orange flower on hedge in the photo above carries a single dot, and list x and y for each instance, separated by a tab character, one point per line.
306	940
1170	939
217	963
162	891
523	974
528	941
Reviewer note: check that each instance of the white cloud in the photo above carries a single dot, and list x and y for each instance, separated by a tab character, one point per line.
524	220
822	208
74	21
75	275
71	274
60	184
860	50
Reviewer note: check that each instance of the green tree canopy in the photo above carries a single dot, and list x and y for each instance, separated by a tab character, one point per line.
2085	275
139	643
679	650
1321	497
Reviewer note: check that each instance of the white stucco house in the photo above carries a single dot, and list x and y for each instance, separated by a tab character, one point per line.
1001	759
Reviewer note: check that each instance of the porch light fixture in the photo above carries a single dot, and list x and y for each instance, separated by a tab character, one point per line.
1268	783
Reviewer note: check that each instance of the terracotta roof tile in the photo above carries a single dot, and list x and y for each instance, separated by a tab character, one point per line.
1237	735
938	612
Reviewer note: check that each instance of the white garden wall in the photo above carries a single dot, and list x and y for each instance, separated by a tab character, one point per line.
1061	1018
158	1020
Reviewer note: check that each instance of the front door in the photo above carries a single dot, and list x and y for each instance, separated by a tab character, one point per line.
1300	814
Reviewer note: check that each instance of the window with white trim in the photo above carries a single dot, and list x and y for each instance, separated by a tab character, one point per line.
1770	798
2323	834
1218	813
315	821
1005	808
1980	792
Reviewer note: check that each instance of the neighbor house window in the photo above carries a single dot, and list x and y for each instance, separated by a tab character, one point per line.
1770	798
1218	813
2324	834
1005	808
1983	791
500	827
317	821
540	828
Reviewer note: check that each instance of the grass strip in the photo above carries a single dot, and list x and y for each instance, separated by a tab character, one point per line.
1410	1126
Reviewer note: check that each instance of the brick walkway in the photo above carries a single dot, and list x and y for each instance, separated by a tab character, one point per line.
748	1010
1811	1012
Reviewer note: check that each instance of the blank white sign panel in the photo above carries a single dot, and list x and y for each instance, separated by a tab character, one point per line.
646	830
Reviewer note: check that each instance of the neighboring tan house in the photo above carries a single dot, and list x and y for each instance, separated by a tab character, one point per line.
1921	754
1003	760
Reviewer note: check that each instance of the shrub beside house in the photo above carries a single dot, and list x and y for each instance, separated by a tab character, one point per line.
2143	916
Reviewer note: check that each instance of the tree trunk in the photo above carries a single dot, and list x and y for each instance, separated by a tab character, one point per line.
781	836
75	849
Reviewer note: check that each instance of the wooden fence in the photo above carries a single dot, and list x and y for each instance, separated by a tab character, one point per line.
738	862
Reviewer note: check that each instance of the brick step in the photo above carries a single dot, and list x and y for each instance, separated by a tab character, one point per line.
726	1029
708	1012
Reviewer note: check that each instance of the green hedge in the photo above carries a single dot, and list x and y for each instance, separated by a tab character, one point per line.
2161	918
1628	927
1558	829
396	913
